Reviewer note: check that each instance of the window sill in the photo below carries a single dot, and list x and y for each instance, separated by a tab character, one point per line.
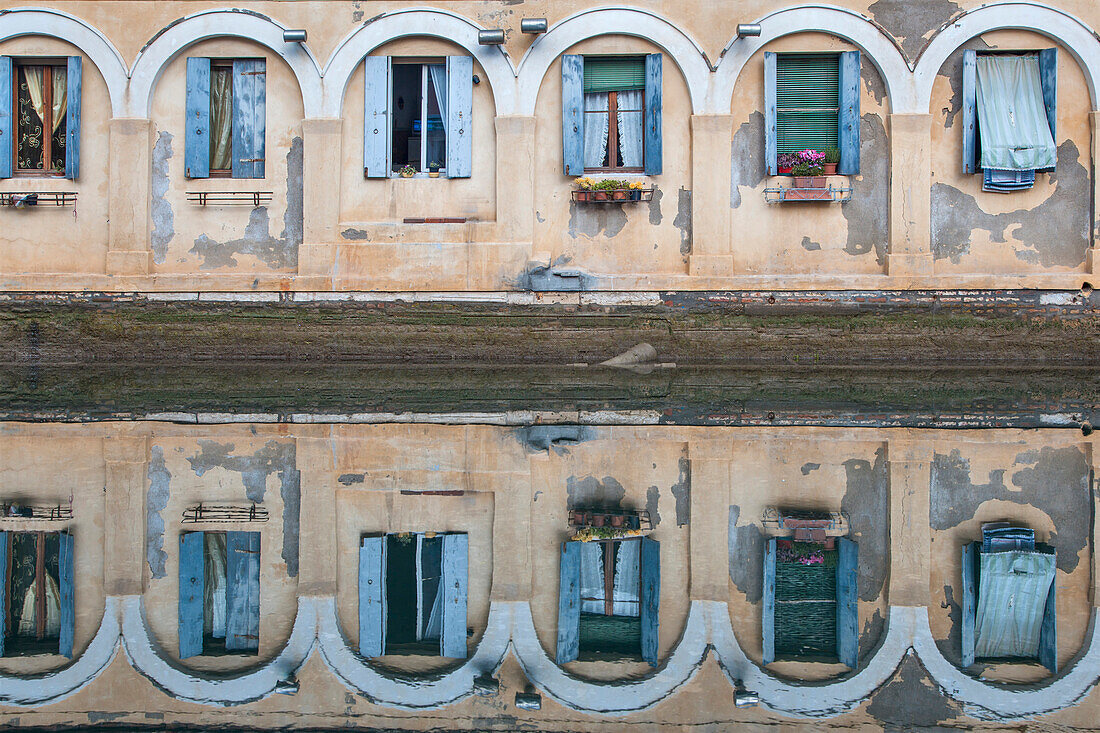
419	176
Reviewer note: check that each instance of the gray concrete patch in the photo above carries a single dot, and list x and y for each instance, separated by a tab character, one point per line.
290	489
681	491
868	212
908	21
746	557
809	245
160	209
347	479
952	71
747	165
592	220
655	215
912	699
542	438
871	633
951	647
683	220
555	277
1053	480
590	492
807	467
355	235
652	497
274	457
866	502
872	81
156	499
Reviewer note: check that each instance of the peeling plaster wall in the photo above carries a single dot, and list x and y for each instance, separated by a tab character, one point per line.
1045	228
808	238
61	240
187	238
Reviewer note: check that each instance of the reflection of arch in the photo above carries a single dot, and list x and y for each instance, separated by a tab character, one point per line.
392	689
246	25
32	691
619	697
1003	702
69	28
423	22
148	659
1074	35
881	49
612	21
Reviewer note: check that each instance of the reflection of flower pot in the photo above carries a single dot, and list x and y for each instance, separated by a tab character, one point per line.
601	195
620	194
636	194
433	174
809	181
578	518
784	170
597	520
617	520
830	169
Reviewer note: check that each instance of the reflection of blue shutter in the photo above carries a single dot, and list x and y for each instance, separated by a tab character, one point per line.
454	589
569	603
66	579
1048	78
770	133
1048	632
653	87
242	591
7	133
3	582
191	594
572	114
969	600
649	570
769	602
848	114
847	603
196	140
376	111
460	116
249	117
72	119
970	111
372	597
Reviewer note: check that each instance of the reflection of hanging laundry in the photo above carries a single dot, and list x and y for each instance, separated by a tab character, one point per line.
27	622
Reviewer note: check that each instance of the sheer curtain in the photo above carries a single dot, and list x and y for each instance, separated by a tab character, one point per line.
33	75
221	118
592	576
631	128
213	612
625	598
437	150
60	97
27	622
595	129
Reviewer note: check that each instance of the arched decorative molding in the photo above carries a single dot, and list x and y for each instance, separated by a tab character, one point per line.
613	20
416	22
1010	702
42	689
56	24
148	658
619	697
409	692
815	699
880	48
244	24
1073	34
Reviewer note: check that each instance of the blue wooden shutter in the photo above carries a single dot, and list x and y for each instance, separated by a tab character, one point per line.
460	116
372	597
66	578
847	603
242	591
649	570
7	132
848	114
376	116
3	583
769	602
969	600
249	117
454	589
970	111
1048	632
770	132
192	581
572	114
1048	77
653	87
569	603
74	75
196	141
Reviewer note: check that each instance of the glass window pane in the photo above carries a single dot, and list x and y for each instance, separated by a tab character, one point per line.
406	124
436	136
30	118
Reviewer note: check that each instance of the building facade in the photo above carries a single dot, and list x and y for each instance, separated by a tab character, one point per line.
193	147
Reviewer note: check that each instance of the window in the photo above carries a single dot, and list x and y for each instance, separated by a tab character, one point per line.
219	598
811	101
226	126
1009	117
36	595
419	115
412	594
40	117
611	113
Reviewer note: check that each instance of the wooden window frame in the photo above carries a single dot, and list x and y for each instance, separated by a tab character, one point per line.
39	583
613	136
46	171
424	167
222	64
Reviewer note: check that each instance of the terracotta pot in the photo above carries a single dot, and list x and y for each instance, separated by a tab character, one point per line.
830	169
620	194
601	196
597	520
578	518
809	181
808	194
617	520
583	195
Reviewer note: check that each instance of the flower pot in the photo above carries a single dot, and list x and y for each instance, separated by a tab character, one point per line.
617	520
601	196
830	169
407	175
809	181
784	170
636	195
620	194
581	195
597	520
578	518
433	174
808	194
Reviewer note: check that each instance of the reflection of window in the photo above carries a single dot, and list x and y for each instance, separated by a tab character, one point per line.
610	613
219	600
412	594
226	123
36	594
614	113
41	100
419	116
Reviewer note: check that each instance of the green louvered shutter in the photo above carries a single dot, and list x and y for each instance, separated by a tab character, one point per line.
613	74
807	101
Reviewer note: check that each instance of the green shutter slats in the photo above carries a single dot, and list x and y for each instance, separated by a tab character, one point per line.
807	101
613	74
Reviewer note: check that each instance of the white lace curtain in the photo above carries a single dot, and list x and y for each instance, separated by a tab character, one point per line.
595	129
221	118
631	123
27	621
625	586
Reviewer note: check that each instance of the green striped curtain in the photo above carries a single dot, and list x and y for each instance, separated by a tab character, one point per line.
615	74
807	101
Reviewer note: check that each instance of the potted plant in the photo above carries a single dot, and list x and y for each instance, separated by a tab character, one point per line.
620	191
406	171
832	158
636	190
810	169
585	184
601	191
786	161
433	169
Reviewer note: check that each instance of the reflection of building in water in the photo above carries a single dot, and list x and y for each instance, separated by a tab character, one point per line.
408	564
